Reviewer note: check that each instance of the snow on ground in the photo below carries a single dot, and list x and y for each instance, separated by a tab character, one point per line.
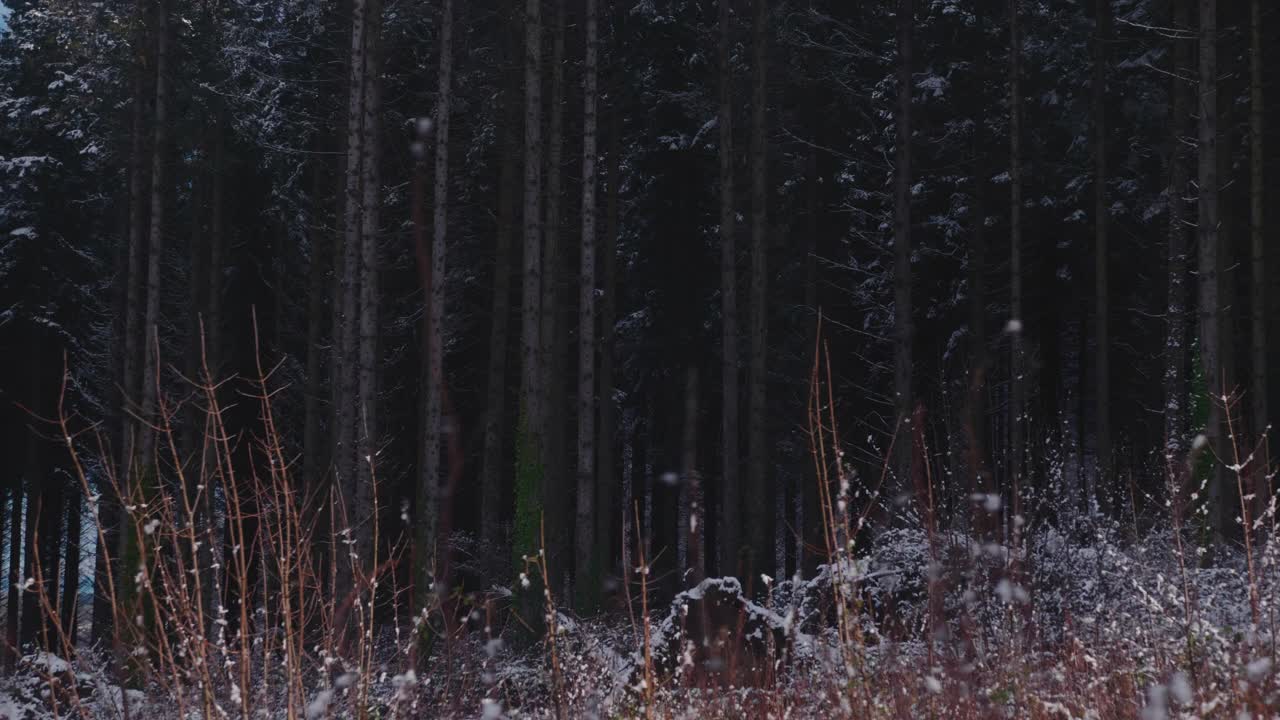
1087	626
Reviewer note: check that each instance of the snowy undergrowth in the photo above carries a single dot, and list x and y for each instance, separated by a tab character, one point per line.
1077	625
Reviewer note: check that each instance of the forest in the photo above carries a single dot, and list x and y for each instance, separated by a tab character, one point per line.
638	358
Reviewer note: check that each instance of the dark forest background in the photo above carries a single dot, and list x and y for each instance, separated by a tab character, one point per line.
570	261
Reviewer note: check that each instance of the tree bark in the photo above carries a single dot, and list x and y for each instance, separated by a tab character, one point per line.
649	455
692	525
312	422
110	513
976	418
193	426
155	249
11	650
1101	252
34	482
345	364
371	186
731	492
217	243
1257	216
1175	347
557	492
136	272
41	505
607	472
760	508
145	460
330	480
1208	271
71	568
809	535
493	509
529	438
586	566
430	507
629	509
902	323
1232	315
213	349
104	509
50	546
197	251
1017	400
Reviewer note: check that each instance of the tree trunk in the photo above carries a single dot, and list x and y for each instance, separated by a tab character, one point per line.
34	481
430	506
217	242
197	251
136	272
780	527
283	264
104	510
1017	400
12	650
493	498
650	453
529	439
976	418
760	506
553	329
1101	252
213	350
1208	274
629	508
15	575
607	475
345	364
334	472
193	437
50	546
1175	350
692	525
1231	312
902	265
810	535
110	513
39	487
371	186
145	460
586	566
1257	198
731	493
155	249
312	423
71	568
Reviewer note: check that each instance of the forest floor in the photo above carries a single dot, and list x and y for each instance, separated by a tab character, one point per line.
1078	625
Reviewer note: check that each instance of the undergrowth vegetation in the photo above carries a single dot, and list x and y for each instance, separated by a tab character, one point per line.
985	614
